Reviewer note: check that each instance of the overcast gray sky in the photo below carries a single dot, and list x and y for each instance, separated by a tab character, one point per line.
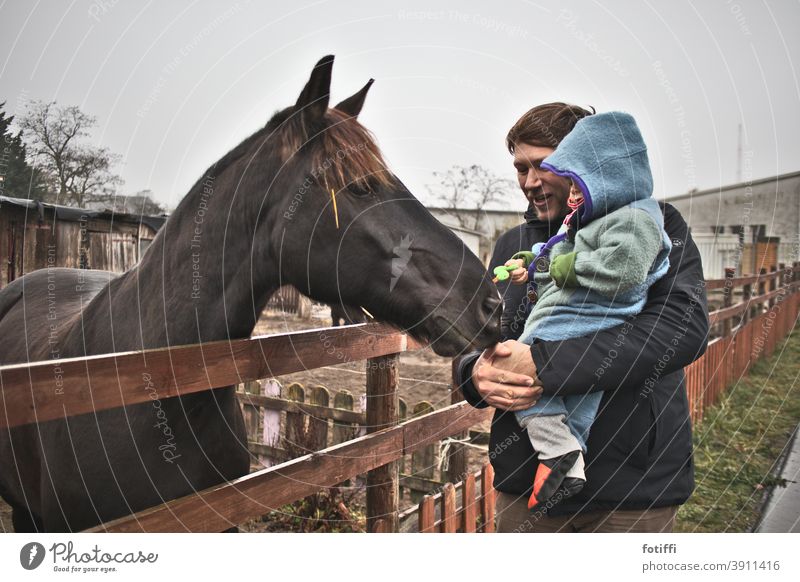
175	85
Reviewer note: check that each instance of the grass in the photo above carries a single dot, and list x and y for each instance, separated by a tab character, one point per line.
738	443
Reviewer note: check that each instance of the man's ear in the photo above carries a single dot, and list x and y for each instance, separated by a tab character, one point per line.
353	104
313	100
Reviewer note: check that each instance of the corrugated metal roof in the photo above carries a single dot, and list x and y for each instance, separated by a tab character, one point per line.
72	214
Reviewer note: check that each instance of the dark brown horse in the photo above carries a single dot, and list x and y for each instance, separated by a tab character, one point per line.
262	216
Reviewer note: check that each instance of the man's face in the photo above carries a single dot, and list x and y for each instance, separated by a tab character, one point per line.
546	192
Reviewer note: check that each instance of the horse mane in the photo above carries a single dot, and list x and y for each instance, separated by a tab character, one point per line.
343	152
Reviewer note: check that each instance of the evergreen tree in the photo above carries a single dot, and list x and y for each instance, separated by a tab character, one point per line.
17	178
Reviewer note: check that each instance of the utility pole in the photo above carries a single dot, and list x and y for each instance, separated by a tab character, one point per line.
739	157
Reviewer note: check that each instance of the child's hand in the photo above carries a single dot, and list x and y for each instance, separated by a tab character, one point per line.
519	276
562	270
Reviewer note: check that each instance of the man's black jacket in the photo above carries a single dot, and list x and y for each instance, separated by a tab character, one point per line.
640	445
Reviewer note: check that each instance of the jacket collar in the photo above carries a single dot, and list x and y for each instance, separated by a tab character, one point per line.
550	227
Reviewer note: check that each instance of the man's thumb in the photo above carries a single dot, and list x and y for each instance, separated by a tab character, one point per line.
502	350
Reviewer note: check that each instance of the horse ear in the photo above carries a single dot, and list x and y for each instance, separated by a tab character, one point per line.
353	104
313	100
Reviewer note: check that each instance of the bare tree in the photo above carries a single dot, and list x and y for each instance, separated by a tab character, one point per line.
467	190
142	203
78	172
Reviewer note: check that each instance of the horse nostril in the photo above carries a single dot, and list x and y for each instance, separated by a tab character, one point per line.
491	304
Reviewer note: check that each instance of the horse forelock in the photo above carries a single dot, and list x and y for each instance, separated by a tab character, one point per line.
342	152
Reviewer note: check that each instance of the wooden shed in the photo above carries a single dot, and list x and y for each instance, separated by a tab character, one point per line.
36	235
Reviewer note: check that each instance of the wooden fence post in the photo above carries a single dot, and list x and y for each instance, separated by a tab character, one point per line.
449	517
457	457
469	504
318	427
343	431
728	299
303	307
423	461
427	515
773	284
382	405
487	498
762	287
272	421
295	425
747	294
402	415
251	412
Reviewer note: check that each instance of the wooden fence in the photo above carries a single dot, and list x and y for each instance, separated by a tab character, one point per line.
101	382
286	421
286	299
746	331
743	332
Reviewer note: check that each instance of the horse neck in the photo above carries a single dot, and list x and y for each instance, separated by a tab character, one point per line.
208	272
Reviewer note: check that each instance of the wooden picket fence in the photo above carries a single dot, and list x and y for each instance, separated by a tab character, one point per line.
746	330
463	507
314	419
285	299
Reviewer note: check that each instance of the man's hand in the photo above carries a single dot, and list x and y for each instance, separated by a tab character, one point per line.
516	359
497	377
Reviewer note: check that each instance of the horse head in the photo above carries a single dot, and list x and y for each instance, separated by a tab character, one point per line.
346	230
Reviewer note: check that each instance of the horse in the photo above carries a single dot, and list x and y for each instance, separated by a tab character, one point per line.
307	200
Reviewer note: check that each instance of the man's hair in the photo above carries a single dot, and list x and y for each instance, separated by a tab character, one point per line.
545	125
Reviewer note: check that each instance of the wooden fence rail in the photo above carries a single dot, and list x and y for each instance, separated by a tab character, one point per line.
60	388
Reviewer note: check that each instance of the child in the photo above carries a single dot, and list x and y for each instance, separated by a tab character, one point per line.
591	276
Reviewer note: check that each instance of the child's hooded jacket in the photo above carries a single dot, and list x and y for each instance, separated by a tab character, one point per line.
620	248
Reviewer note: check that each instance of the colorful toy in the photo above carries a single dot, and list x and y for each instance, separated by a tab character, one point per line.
502	272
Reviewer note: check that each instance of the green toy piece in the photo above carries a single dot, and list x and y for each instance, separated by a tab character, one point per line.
502	272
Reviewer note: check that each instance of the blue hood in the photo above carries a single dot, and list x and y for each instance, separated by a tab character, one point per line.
606	156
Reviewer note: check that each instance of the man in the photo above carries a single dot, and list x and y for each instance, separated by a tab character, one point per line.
639	462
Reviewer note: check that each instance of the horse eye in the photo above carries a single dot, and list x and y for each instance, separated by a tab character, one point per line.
359	191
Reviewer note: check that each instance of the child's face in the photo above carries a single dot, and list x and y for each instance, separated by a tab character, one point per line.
575	196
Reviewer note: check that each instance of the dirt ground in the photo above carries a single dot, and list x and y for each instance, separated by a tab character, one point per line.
423	376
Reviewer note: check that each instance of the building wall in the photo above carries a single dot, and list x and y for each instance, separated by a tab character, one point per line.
30	241
12	227
491	225
763	216
762	208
